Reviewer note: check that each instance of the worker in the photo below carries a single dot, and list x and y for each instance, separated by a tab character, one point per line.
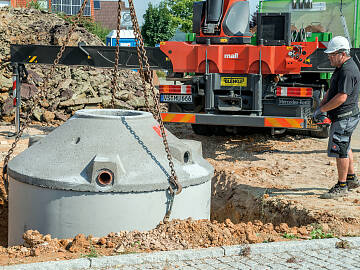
341	105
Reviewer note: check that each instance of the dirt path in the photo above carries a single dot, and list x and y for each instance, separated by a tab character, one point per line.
264	189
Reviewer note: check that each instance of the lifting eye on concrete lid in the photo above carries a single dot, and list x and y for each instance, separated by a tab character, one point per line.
75	140
186	157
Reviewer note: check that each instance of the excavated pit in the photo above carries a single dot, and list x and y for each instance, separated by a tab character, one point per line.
244	203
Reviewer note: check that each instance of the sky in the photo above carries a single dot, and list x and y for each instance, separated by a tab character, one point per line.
141	6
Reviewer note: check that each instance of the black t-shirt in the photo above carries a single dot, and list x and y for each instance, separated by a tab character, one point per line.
345	79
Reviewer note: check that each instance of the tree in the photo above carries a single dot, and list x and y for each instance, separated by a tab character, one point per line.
182	12
158	24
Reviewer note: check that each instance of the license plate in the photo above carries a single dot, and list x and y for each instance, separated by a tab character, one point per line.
311	124
176	98
293	102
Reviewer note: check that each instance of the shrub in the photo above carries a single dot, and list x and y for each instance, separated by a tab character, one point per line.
93	27
34	4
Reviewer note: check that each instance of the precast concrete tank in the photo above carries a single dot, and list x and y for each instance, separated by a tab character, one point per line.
104	171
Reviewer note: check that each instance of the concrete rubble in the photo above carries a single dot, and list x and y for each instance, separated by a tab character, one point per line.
72	88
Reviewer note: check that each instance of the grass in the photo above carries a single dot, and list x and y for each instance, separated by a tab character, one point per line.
289	236
93	27
136	244
92	254
317	233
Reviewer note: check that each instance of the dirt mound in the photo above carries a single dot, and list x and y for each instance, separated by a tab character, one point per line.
174	235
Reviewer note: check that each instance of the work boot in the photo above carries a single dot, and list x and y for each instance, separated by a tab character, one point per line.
352	182
335	192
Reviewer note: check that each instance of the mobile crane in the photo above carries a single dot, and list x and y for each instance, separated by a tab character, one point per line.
275	78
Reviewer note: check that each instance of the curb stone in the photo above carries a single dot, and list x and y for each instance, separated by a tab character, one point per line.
190	254
285	246
75	264
155	257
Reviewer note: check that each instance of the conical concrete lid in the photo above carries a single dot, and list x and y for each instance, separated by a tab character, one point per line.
109	151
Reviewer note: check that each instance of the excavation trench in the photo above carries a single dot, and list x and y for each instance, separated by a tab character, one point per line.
245	203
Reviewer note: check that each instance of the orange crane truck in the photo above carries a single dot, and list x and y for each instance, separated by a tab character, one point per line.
269	79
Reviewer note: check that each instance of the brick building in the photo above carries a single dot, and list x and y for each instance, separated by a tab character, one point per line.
105	12
69	7
18	3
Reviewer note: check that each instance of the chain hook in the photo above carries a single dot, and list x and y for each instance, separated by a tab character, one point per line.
155	110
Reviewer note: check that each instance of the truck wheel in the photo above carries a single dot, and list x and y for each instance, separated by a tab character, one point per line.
204	130
322	133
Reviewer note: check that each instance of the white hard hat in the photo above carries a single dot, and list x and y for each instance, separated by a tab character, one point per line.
337	43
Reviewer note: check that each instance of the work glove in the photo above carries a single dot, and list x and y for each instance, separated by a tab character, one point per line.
319	116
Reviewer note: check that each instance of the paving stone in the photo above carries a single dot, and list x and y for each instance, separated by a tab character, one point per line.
187	268
220	265
348	267
204	266
158	265
146	266
56	265
126	267
239	265
331	267
279	266
252	262
326	256
227	267
226	259
329	260
178	264
211	261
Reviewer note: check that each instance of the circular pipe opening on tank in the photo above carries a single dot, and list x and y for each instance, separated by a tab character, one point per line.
110	113
186	157
104	178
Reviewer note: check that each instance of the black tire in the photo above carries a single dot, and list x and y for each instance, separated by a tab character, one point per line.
204	130
208	130
220	131
322	133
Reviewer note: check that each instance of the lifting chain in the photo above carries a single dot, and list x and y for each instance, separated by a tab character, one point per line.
174	187
115	88
41	94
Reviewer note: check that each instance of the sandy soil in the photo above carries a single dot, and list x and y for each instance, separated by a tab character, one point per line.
265	189
285	174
